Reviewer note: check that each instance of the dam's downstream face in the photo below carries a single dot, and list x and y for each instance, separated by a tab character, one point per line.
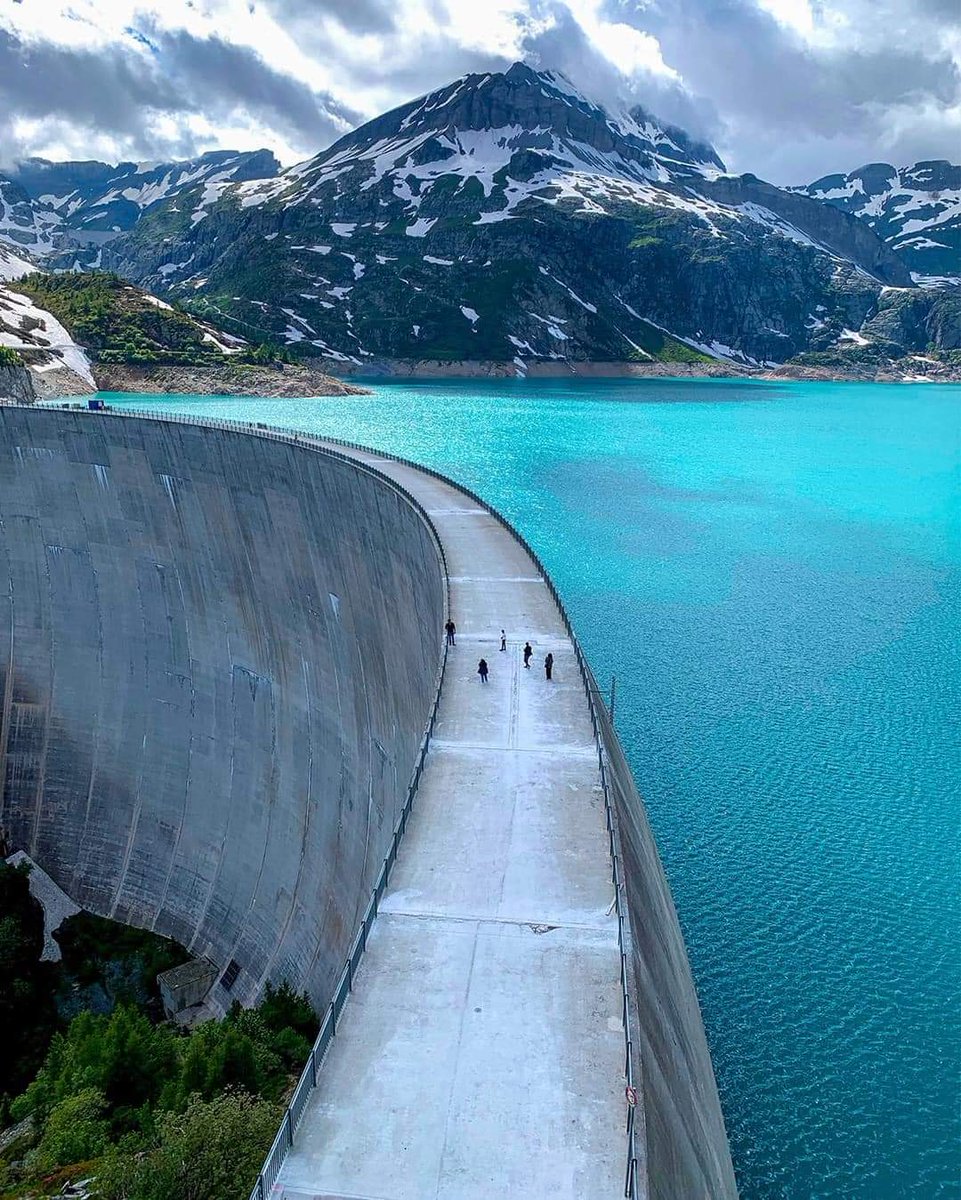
217	657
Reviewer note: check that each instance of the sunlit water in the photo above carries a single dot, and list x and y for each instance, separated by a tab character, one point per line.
772	571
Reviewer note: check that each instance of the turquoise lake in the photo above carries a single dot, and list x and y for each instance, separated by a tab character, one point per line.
772	571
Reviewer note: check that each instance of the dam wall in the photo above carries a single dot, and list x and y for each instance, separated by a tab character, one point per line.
684	1138
218	653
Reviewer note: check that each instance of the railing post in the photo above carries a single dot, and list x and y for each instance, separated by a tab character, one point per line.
610	707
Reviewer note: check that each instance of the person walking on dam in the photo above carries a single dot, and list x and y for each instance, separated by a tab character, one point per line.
528	652
450	629
503	640
482	670
548	664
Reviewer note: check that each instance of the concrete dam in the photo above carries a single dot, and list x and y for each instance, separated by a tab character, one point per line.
219	654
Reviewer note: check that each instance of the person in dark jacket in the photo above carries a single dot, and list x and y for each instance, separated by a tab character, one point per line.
482	670
528	651
549	665
450	629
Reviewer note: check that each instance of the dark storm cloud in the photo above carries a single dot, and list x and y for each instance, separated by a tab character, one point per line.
774	103
748	62
444	64
106	90
359	16
406	70
223	77
120	90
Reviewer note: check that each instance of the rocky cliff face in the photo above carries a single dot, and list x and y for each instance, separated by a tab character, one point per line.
16	383
917	320
26	228
915	210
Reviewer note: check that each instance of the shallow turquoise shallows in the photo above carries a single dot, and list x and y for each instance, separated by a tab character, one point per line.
772	571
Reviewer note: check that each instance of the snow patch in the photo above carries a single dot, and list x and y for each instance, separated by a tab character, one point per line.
552	326
421	227
19	313
157	302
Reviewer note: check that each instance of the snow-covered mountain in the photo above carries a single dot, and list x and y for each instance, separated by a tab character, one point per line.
498	145
43	341
507	216
98	197
506	136
70	209
915	210
13	265
26	228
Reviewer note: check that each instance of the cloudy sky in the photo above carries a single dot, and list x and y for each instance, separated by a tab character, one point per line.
788	89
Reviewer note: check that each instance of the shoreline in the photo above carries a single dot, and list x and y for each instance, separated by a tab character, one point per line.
329	378
284	381
914	371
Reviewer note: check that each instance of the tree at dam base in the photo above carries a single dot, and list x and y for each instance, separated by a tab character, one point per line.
144	1108
28	1013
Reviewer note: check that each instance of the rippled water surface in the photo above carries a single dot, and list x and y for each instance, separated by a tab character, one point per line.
772	571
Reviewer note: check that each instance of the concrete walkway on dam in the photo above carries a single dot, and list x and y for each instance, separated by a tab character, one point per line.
481	1053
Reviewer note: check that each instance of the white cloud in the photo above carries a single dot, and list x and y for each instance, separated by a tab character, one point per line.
629	49
788	87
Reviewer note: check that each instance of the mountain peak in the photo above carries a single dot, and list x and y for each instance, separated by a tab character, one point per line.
916	210
517	124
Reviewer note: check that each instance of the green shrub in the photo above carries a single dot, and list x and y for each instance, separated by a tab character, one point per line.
76	1130
115	321
168	1114
281	1008
210	1151
123	1056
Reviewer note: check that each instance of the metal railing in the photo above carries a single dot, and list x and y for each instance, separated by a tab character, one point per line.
298	1102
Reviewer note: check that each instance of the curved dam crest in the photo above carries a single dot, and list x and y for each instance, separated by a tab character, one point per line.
219	652
217	658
